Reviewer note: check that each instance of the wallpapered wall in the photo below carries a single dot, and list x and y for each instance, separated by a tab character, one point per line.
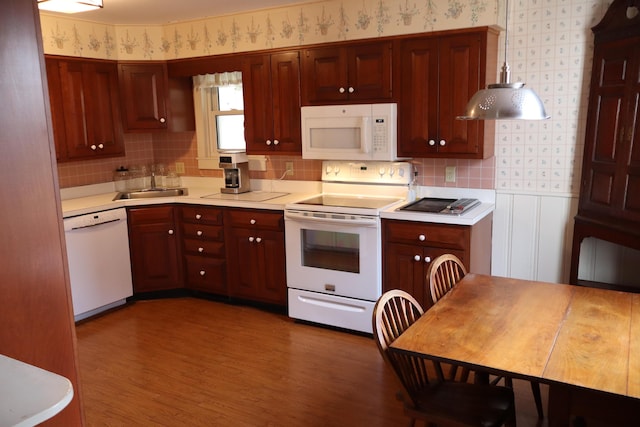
550	48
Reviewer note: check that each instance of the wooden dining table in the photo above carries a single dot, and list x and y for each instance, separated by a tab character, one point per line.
576	339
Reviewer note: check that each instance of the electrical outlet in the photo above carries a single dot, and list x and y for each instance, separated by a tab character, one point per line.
179	167
289	168
450	174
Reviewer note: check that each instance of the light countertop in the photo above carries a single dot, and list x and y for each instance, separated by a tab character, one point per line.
30	395
80	201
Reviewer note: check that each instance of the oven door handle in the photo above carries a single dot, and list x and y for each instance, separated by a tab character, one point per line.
295	216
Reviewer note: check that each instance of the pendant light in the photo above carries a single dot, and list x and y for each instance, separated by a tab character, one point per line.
505	100
69	6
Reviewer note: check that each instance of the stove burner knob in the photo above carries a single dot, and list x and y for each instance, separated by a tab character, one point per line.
392	171
401	172
328	170
336	170
381	172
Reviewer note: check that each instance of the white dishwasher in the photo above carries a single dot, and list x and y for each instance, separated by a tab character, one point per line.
99	263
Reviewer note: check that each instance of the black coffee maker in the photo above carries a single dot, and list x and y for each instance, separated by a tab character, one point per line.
235	166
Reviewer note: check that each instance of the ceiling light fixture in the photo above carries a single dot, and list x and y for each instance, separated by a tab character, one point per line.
69	6
505	100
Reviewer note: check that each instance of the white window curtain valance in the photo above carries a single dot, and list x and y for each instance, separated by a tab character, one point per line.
208	81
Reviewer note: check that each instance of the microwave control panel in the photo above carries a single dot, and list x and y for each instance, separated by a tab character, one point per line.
380	137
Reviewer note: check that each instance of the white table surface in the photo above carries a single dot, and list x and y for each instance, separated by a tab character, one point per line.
30	395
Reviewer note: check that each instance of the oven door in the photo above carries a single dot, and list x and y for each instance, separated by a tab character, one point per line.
335	254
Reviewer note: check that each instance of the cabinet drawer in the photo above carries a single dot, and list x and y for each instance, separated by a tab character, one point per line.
427	234
205	274
153	215
201	215
204	248
255	218
203	232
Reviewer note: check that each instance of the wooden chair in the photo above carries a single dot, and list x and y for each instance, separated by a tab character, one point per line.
434	400
444	272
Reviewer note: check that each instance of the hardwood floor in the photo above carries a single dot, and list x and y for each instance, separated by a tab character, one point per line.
194	362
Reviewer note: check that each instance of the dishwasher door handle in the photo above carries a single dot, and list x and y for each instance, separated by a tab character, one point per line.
95	225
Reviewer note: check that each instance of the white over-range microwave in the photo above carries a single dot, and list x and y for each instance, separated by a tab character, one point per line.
350	132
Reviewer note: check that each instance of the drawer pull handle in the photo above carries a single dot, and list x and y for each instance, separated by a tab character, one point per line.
422	237
200	250
170	231
253	221
202	272
199	233
198	216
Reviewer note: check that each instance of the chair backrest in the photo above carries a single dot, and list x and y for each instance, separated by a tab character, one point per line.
393	313
444	272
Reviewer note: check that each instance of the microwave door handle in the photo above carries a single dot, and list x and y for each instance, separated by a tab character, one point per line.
365	135
301	218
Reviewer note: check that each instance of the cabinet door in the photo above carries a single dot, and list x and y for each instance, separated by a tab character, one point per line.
418	109
459	79
611	170
285	97
324	76
90	107
257	265
57	107
143	89
258	115
404	269
154	249
369	68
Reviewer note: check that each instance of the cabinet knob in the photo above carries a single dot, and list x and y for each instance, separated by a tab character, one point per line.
202	272
199	233
251	239
443	143
101	146
170	232
276	142
93	147
416	257
341	90
351	90
432	142
253	221
198	216
258	239
427	259
268	142
162	120
200	250
422	237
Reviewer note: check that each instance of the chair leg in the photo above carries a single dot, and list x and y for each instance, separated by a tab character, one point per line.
535	389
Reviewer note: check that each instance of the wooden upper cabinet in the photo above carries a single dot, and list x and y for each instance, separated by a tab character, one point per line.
85	108
151	101
611	169
271	87
357	72
438	77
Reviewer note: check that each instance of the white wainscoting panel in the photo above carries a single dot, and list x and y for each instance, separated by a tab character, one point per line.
532	236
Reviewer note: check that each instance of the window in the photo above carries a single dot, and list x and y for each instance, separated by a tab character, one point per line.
219	116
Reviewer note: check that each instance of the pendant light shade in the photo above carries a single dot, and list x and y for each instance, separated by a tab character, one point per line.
69	6
505	100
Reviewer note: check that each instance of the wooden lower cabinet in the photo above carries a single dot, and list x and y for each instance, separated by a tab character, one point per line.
409	247
154	247
255	255
203	249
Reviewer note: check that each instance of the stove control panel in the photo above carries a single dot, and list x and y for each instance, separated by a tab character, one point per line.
394	173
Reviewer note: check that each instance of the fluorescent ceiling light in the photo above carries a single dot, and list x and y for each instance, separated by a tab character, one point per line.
69	6
505	100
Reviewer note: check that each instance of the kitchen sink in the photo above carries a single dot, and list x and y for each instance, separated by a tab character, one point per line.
156	192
